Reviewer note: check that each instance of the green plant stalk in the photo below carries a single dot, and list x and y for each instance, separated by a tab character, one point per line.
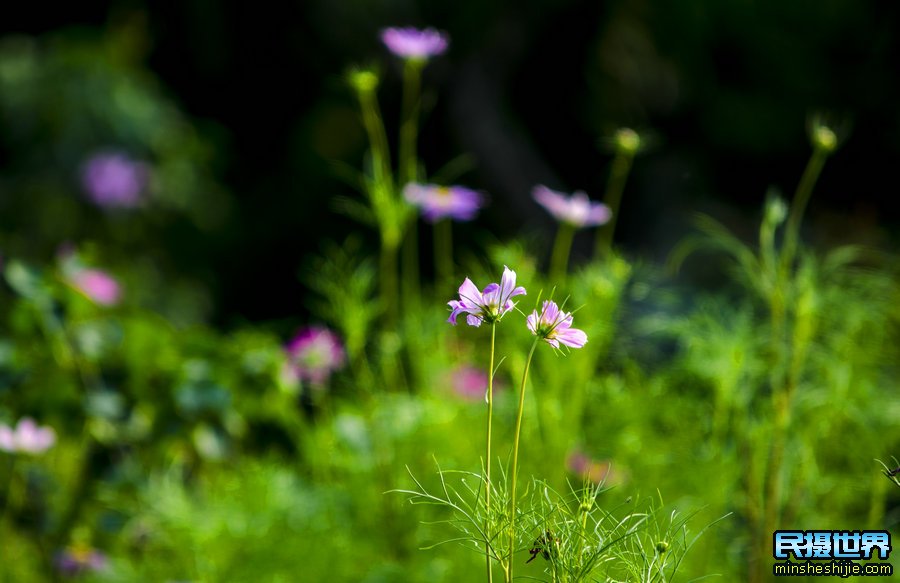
798	206
487	461
562	246
381	197
408	168
515	463
443	251
615	187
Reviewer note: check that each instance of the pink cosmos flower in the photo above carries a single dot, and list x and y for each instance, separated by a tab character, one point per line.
488	305
596	471
412	43
27	437
471	383
576	210
98	285
314	353
440	202
555	326
114	180
78	559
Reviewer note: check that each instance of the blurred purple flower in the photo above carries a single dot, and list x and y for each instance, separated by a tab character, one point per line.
440	202
114	180
97	285
555	326
576	210
78	559
314	353
27	437
489	305
580	464
470	382
412	43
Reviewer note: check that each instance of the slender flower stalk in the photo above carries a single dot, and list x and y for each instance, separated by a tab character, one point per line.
554	327
627	143
573	212
515	464
487	460
443	251
408	168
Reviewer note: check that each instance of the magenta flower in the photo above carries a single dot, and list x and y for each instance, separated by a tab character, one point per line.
78	559
114	180
576	210
97	285
440	202
470	383
596	471
412	43
555	326
314	353
27	437
488	305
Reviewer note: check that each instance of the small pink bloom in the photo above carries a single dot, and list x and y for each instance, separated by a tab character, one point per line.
114	180
441	202
596	471
485	306
78	559
471	383
412	43
576	210
314	353
27	437
98	285
555	326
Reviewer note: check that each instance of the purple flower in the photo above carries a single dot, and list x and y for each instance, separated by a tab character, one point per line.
78	559
412	43
576	210
440	202
555	326
114	180
27	437
489	305
596	471
314	353
97	285
470	382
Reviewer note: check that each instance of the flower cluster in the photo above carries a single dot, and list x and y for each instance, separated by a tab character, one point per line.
314	354
412	43
27	437
114	180
441	202
555	326
486	306
79	559
576	210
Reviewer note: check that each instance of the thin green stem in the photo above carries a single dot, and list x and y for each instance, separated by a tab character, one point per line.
408	168
615	186
515	463
388	273
798	206
559	260
443	251
487	462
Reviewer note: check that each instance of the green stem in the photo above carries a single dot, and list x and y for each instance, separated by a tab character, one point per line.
443	251
412	76
515	463
615	186
378	143
559	260
408	168
798	206
487	463
388	273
